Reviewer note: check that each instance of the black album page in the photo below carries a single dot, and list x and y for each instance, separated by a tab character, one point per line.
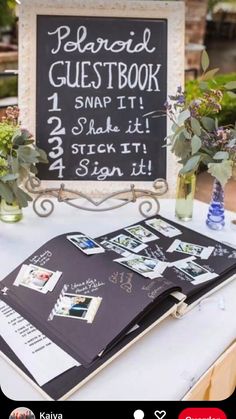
194	262
88	302
68	382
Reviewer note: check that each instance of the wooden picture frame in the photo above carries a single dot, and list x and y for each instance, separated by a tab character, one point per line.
172	11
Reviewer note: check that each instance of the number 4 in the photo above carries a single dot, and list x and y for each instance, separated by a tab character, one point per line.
58	165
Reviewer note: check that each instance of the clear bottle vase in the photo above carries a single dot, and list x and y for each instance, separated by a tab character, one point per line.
10	213
216	213
186	185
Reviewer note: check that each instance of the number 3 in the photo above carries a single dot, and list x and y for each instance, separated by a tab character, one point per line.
57	150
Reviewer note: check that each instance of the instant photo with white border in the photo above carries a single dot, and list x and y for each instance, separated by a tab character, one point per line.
115	248
27	277
191	249
163	227
79	241
75	306
130	244
141	233
145	266
196	272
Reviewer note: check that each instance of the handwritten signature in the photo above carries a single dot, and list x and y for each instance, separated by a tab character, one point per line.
41	259
123	279
90	285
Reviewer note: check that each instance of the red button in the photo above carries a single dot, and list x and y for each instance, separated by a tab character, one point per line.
202	413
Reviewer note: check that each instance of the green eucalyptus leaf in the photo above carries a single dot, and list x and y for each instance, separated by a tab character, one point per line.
210	74
16	134
203	85
9	177
196	127
221	171
231	85
182	136
181	149
29	142
232	95
187	134
14	165
6	192
34	170
232	142
208	123
42	155
183	116
205	62
221	155
22	197
191	164
23	173
174	127
206	159
18	140
27	154
196	144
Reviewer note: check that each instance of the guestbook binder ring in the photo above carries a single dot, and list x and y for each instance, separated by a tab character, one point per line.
44	206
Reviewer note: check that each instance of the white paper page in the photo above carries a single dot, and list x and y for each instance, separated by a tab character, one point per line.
42	358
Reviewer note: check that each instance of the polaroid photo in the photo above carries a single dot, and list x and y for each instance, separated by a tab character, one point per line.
81	307
117	249
37	278
191	249
85	244
141	233
128	243
163	227
145	266
195	272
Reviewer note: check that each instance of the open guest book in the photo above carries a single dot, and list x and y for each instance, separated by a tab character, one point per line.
77	303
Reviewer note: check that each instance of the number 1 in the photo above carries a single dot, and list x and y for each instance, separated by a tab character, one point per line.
54	99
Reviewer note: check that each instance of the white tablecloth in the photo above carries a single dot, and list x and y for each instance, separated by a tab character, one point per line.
164	364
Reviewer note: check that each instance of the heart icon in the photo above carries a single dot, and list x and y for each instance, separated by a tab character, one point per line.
160	414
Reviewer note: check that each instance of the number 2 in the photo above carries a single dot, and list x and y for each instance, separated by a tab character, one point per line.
58	130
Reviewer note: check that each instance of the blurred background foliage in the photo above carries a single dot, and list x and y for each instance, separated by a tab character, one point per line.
7	12
227	115
213	3
8	87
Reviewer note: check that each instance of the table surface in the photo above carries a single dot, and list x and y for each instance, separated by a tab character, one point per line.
164	364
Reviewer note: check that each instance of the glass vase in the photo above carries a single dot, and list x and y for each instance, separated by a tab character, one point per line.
10	213
216	213
186	185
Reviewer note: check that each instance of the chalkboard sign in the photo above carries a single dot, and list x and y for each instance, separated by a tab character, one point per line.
97	76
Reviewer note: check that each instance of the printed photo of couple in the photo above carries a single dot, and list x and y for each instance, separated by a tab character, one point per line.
145	266
163	227
141	233
73	306
76	306
191	249
37	278
128	243
85	244
196	273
